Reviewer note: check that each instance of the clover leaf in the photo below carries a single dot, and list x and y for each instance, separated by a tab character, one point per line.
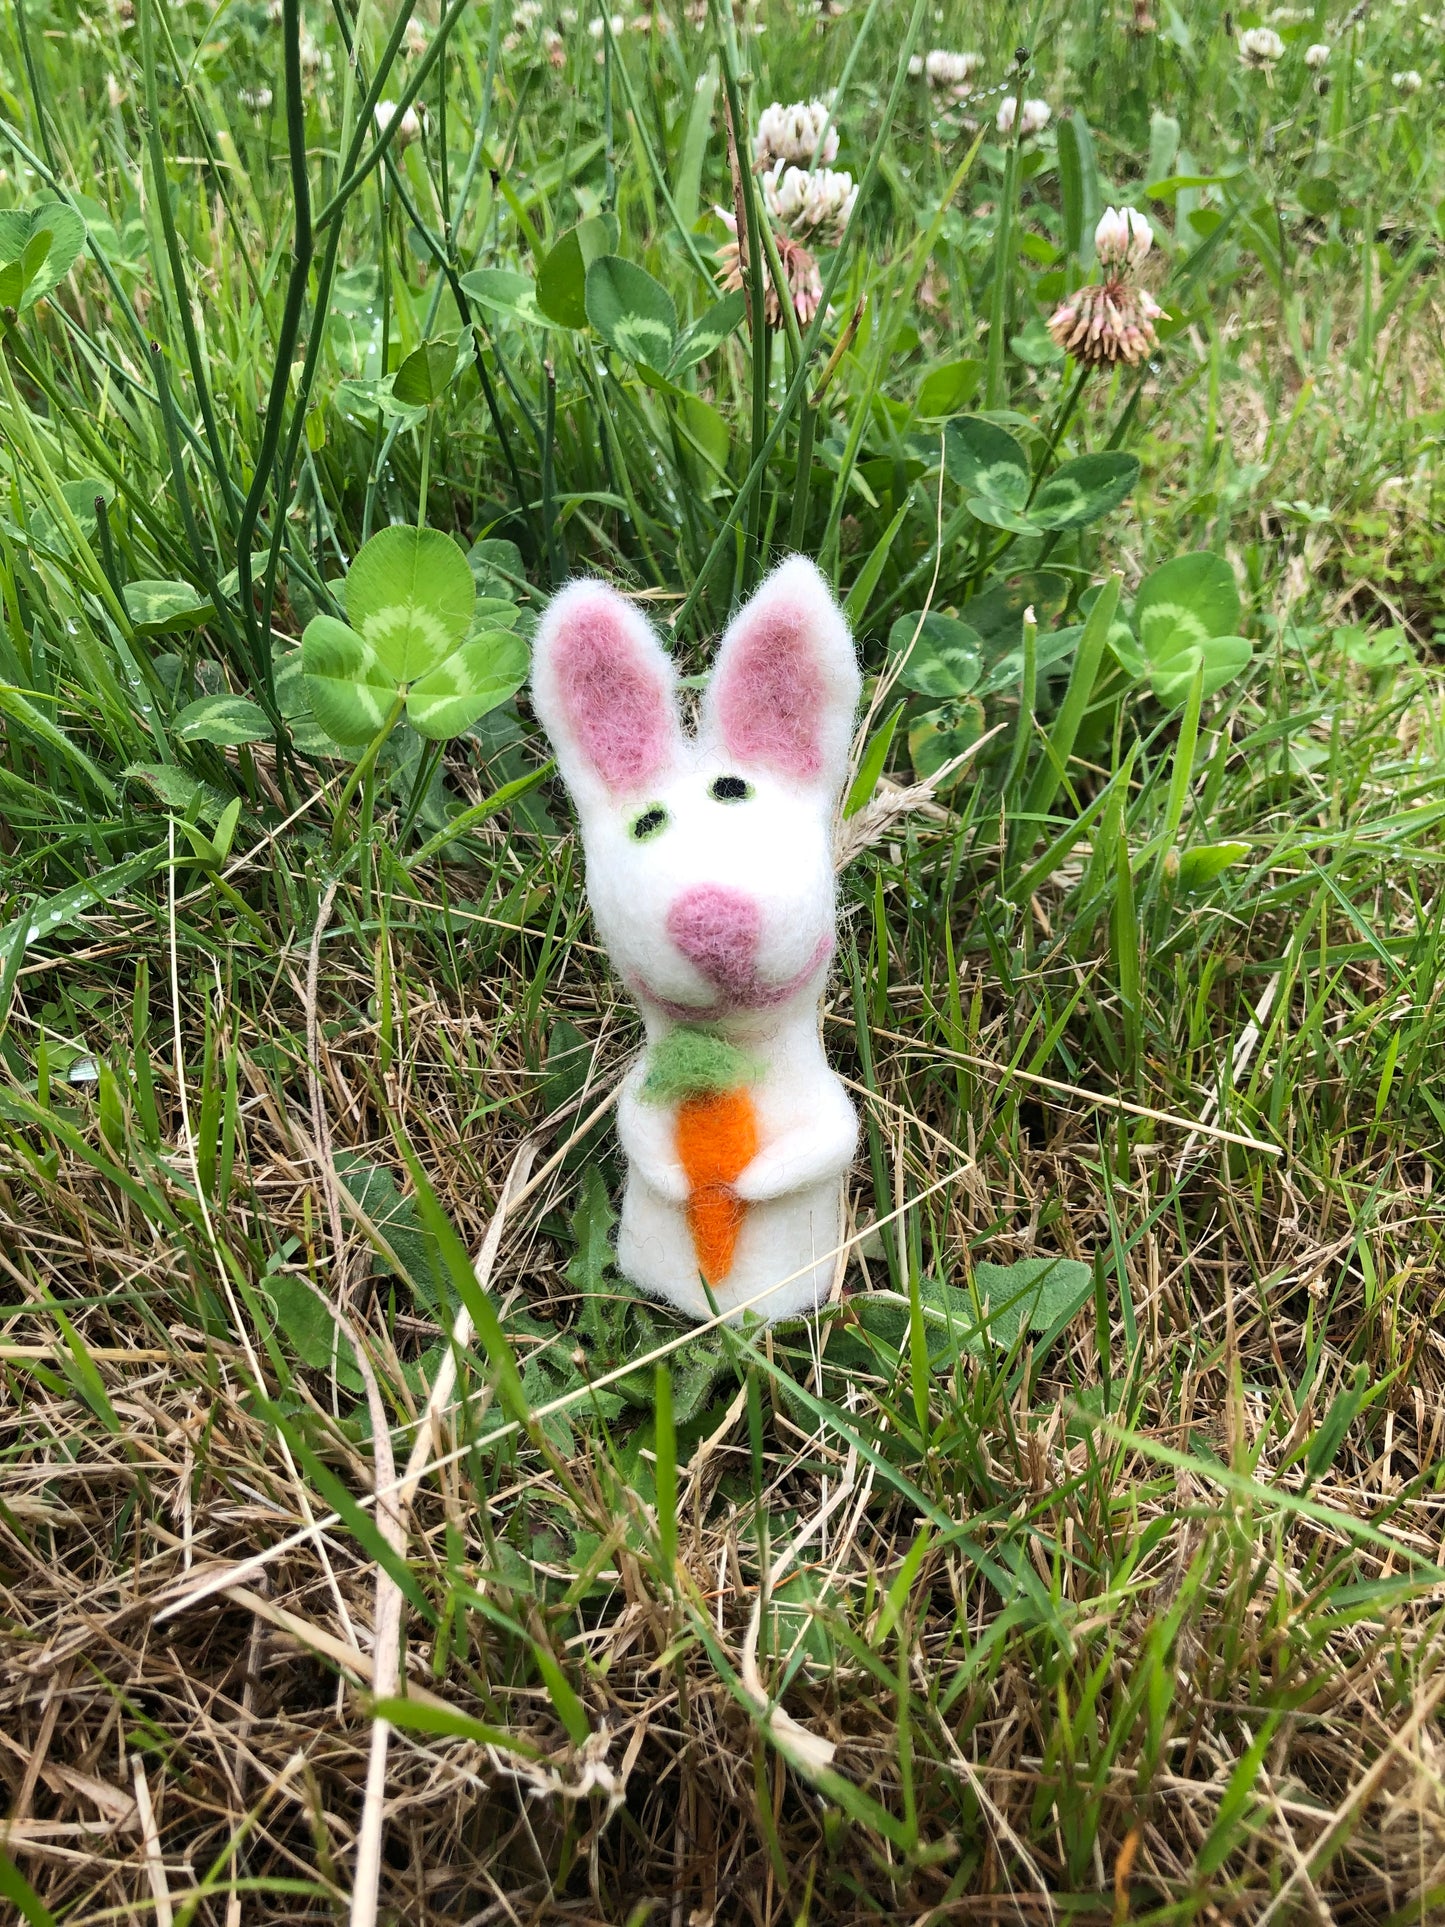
412	641
1186	613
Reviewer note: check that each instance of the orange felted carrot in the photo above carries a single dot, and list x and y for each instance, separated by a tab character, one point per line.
717	1138
717	1135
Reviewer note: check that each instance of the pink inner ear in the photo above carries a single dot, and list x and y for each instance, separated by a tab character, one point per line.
770	703
614	702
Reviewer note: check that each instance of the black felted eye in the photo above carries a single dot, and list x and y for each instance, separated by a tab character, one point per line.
730	789
650	823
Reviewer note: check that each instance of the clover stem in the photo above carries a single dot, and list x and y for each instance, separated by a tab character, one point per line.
1061	422
425	470
430	757
362	772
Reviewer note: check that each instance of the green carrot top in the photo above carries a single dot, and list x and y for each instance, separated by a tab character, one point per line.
690	1062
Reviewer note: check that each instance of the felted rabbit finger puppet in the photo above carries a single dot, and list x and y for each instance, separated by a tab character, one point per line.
710	877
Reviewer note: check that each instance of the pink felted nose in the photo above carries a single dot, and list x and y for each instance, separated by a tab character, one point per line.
717	930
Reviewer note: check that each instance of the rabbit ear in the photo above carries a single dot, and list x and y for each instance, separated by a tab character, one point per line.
786	685
604	690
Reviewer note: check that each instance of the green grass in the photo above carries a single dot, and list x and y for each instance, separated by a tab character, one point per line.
1132	1616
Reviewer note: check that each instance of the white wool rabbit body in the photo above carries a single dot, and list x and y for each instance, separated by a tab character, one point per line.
710	877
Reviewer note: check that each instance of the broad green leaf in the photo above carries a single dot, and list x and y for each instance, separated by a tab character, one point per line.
374	1191
492	612
225	720
1050	648
307	735
999	515
709	332
230	582
472	680
633	313
936	738
41	267
165	608
997	616
1187	600
1374	650
505	292
1200	866
46	529
799	1624
374	397
1127	651
1224	658
305	1321
350	690
1035	345
945	661
562	277
1084	490
410	593
707	426
986	461
1044	1292
426	374
176	788
947	390
496	567
1163	145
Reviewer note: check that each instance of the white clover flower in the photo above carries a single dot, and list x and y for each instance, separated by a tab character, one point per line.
1408	82
946	69
807	201
915	66
257	99
791	134
408	128
526	14
114	92
1105	323
415	38
1317	55
617	24
1260	47
1122	238
1036	116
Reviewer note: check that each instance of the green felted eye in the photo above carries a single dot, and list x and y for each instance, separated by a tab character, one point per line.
652	822
730	789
